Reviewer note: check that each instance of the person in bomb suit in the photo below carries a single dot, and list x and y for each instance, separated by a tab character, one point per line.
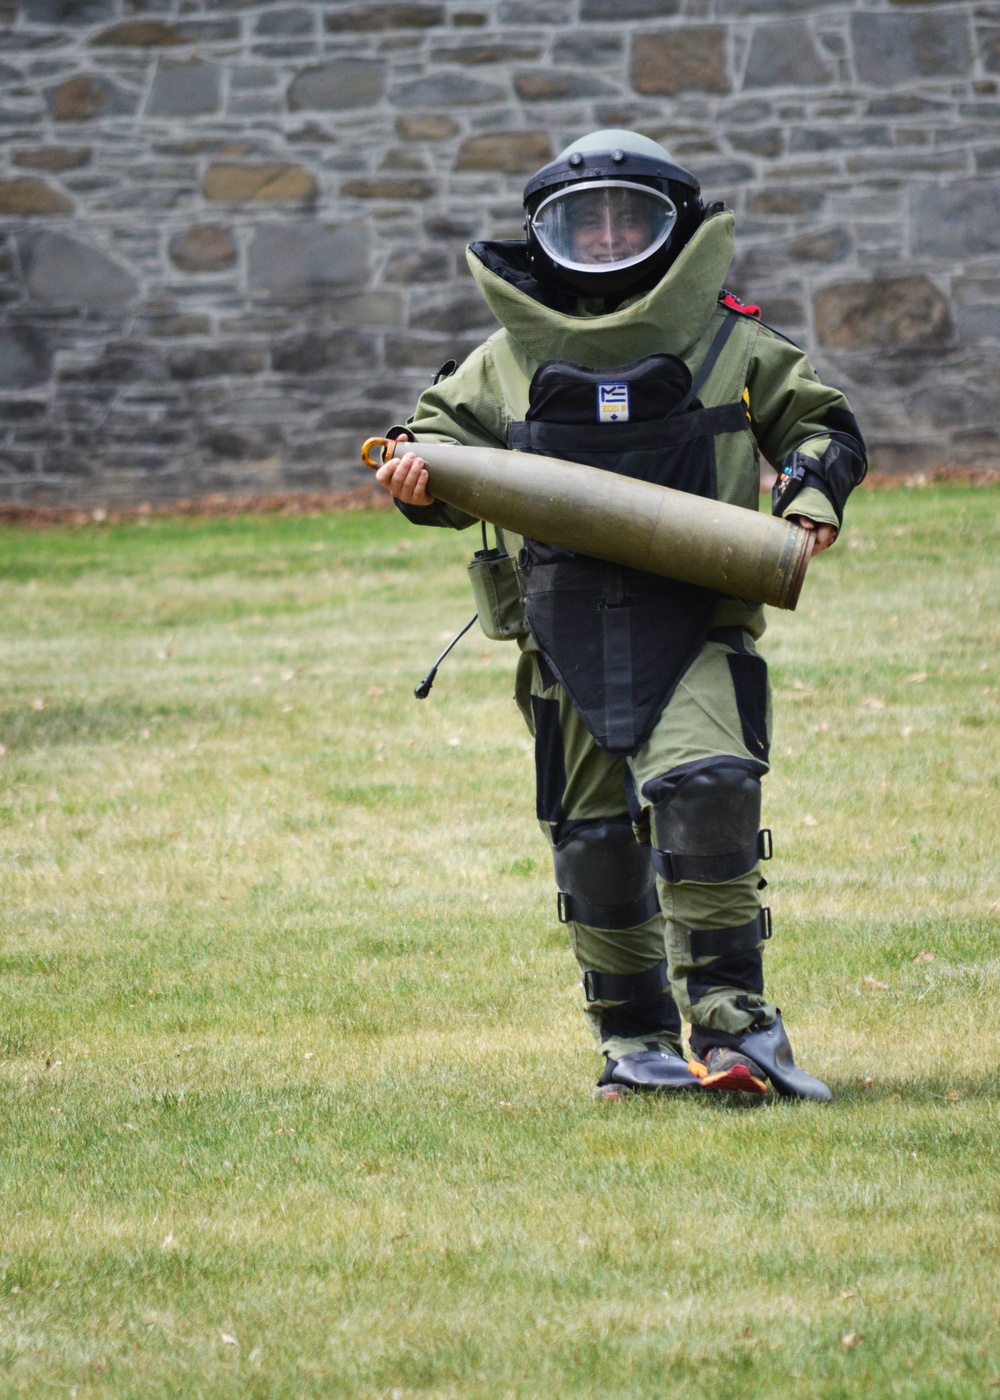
647	698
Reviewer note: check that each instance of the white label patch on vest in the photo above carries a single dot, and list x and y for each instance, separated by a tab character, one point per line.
612	403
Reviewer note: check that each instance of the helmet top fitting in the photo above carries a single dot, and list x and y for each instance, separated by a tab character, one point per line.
609	215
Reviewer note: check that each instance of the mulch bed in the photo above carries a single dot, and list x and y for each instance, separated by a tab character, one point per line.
33	517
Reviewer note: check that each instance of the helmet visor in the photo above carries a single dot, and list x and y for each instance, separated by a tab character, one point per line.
603	225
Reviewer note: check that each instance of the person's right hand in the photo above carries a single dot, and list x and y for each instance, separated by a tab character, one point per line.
406	478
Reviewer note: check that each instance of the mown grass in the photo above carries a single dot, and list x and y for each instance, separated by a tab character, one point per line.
290	1040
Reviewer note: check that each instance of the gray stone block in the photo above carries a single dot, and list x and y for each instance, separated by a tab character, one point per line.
558	84
446	90
286	22
323	350
25	357
820	245
599	49
306	258
377	16
842	136
184	89
86	96
514	152
423	265
957	221
884	314
738	8
60	12
536	12
340	84
671	61
211	361
784	54
481	54
618	10
64	271
137	33
891	49
464	313
762	141
204	248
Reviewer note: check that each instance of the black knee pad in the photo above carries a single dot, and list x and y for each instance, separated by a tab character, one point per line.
605	878
706	820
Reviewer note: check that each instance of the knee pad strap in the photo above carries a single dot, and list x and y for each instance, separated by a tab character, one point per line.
726	942
572	907
711	870
629	986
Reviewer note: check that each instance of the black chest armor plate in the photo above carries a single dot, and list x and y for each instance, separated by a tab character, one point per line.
619	639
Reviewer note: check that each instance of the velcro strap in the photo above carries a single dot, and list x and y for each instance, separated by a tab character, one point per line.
634	986
710	870
726	942
612	916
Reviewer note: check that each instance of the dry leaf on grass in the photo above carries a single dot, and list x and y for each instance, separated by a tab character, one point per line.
169	1243
874	982
227	1340
851	1339
916	678
809	821
872	704
922	956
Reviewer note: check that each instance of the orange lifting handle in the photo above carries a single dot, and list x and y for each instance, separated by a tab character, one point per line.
388	446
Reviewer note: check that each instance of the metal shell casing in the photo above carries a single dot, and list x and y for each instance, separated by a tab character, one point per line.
622	520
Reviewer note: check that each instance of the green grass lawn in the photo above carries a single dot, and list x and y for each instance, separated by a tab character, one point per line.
295	1089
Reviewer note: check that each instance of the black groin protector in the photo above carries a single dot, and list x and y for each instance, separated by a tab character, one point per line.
706	820
605	878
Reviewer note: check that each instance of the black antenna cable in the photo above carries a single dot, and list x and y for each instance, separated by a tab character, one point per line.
422	690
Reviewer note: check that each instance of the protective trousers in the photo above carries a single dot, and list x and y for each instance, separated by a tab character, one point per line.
684	808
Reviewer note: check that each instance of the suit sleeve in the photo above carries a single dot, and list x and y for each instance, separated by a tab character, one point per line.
805	429
466	408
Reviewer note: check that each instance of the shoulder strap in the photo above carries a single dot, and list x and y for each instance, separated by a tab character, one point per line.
708	363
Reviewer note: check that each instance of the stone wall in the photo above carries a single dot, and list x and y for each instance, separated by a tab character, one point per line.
231	233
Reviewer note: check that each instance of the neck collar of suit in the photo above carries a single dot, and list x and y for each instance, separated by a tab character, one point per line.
671	317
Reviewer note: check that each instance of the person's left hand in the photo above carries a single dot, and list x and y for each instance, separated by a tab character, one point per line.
824	535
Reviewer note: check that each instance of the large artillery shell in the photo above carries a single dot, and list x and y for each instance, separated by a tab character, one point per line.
630	522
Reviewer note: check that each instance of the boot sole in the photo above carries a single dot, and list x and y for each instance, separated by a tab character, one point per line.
737	1080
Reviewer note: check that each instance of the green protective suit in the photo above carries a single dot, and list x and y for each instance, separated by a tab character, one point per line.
721	706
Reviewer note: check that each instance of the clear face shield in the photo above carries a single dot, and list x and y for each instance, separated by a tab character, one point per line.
603	225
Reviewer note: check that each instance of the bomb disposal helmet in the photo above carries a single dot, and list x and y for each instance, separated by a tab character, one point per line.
609	215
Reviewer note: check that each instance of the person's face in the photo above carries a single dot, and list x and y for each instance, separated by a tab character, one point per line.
609	230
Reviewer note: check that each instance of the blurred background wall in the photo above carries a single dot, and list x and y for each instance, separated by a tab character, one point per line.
232	233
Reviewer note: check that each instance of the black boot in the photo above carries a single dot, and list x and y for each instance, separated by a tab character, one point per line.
769	1048
652	1071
